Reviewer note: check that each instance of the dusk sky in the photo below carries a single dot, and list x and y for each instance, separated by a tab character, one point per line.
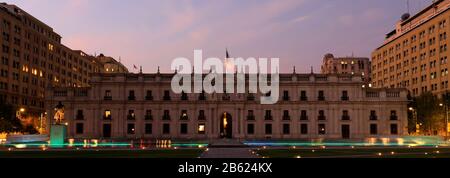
152	33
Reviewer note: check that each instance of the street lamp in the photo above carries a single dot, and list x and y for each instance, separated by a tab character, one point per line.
417	126
446	119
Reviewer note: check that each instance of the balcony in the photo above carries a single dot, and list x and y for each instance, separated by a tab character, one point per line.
304	117
286	98
322	118
250	98
184	98
373	118
107	98
131	117
251	117
286	117
345	118
321	98
131	98
394	118
202	98
148	117
166	118
303	98
268	117
149	98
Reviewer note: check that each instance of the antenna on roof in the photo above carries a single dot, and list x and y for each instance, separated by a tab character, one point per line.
407	7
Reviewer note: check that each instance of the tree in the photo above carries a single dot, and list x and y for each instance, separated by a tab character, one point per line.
8	121
429	113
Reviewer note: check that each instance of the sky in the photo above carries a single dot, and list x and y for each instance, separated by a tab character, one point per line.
151	33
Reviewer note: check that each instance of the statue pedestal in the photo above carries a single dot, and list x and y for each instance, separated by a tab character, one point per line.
57	135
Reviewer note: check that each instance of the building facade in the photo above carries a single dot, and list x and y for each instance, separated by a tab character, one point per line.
415	54
33	58
346	65
134	106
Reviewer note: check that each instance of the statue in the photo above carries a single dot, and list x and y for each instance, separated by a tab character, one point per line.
59	113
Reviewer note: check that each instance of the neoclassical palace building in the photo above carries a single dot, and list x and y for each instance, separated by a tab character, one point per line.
133	106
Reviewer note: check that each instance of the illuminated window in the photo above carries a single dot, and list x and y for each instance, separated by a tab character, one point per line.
131	129
322	129
107	115
25	68
201	129
50	47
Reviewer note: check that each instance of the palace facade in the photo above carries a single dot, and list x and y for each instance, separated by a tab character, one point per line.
133	106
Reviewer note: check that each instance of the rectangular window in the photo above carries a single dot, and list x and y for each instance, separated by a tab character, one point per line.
322	129
131	115
201	115
394	115
268	115
322	115
268	129
149	96
148	129
304	129
286	129
80	115
166	95
107	115
108	95
131	95
345	96
303	96
345	115
321	96
184	115
131	130
79	128
250	129
373	115
304	115
286	115
183	129
166	115
394	129
373	129
201	129
166	129
148	115
286	96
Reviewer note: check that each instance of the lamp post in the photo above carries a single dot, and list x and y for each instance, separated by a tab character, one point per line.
446	119
416	125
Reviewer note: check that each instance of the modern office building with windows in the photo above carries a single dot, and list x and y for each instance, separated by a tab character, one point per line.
134	106
33	58
415	54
